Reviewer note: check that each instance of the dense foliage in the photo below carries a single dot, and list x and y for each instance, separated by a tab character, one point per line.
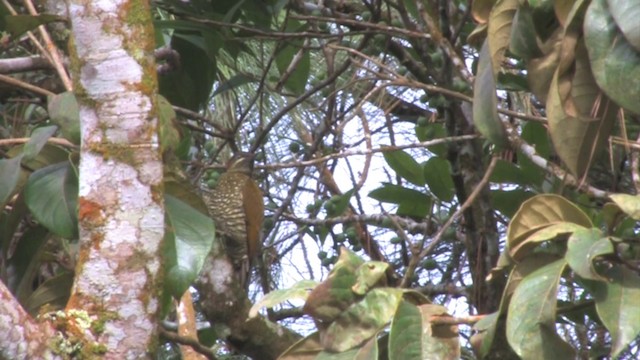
443	179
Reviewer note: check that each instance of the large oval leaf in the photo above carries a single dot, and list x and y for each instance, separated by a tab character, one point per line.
485	101
190	235
583	247
617	306
437	174
626	14
405	166
542	211
615	63
531	324
51	193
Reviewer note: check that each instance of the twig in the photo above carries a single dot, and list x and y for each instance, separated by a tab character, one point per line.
26	86
413	263
172	336
56	59
55	141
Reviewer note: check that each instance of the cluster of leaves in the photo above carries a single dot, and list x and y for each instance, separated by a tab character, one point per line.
550	239
358	317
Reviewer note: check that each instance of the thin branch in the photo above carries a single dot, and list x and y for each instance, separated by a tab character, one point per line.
439	235
55	141
195	344
56	59
26	86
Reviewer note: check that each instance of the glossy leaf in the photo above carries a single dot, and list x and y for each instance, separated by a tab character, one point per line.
405	166
614	61
190	236
617	306
299	290
437	174
626	15
542	211
64	111
37	141
51	193
583	247
485	101
531	324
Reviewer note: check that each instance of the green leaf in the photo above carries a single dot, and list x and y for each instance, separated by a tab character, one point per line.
525	245
523	41
508	202
626	15
531	324
294	62
54	293
397	194
485	333
26	261
37	141
614	61
485	101
583	247
499	32
542	211
190	237
64	111
413	336
437	174
431	132
411	202
629	204
9	176
20	24
507	172
362	320
299	290
51	194
369	275
341	202
235	81
404	165
305	349
617	306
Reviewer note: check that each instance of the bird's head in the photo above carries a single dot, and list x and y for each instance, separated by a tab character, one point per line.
241	162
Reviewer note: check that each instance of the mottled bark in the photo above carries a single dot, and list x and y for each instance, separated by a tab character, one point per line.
121	214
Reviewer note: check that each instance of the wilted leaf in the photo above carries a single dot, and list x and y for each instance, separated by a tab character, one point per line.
54	292
480	9
307	348
299	290
189	239
499	31
531	324
413	336
543	234
51	193
542	211
368	275
362	320
617	306
334	295
615	63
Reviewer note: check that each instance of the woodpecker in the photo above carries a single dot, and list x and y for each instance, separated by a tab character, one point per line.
237	208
